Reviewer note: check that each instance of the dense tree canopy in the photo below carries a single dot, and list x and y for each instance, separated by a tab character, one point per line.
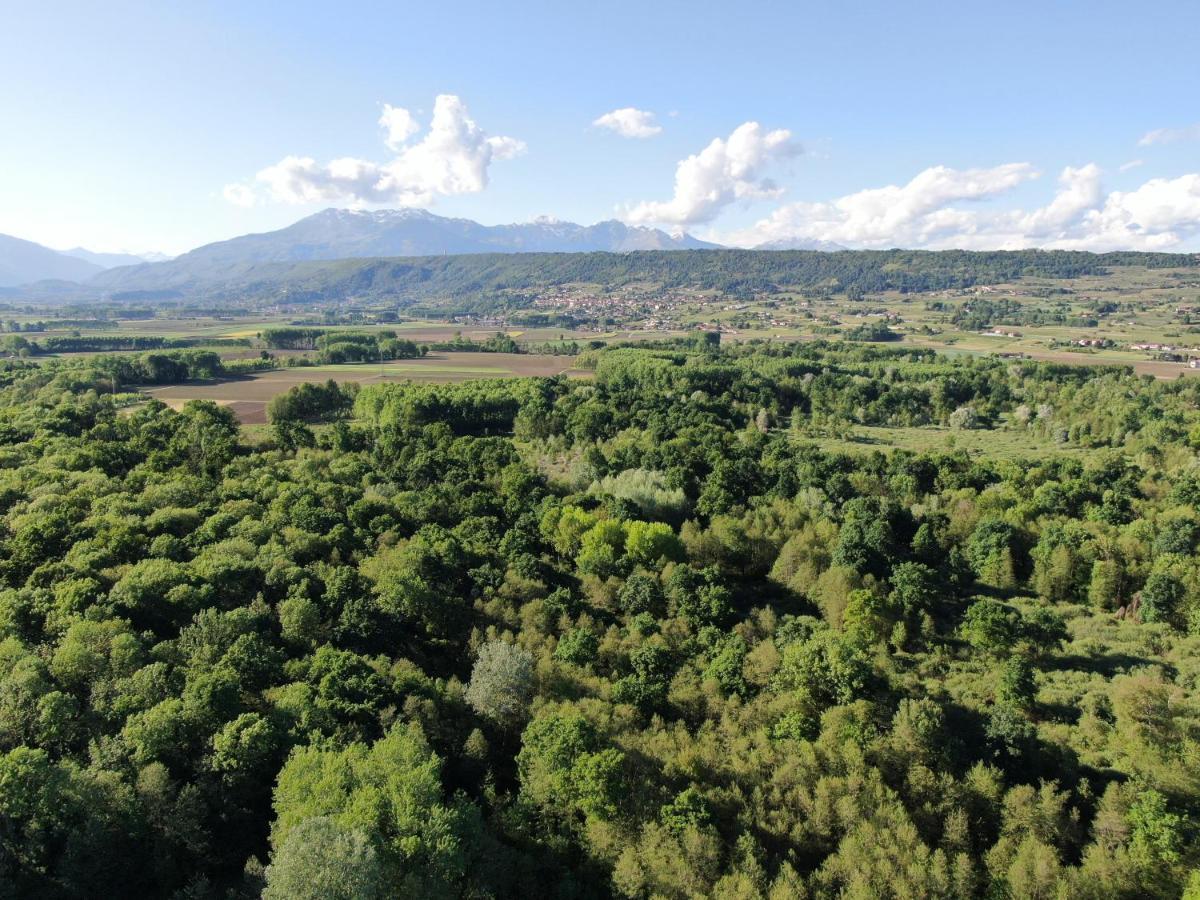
624	635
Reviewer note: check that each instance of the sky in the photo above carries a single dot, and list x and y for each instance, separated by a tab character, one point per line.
158	127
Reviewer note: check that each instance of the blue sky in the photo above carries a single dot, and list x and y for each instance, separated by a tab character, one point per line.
130	125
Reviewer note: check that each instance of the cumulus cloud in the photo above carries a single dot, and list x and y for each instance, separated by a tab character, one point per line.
240	195
1170	135
453	157
725	171
505	147
398	125
939	209
1078	191
913	214
629	122
1159	215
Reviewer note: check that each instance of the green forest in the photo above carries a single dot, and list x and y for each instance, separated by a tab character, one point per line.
633	634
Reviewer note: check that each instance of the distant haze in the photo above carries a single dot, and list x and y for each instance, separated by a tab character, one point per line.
22	262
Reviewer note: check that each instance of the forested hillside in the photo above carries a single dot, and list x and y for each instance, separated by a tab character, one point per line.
485	282
636	635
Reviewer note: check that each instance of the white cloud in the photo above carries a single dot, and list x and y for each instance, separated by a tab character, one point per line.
1159	215
1079	191
399	125
505	147
938	209
722	173
452	158
1132	164
912	214
240	195
630	123
1170	135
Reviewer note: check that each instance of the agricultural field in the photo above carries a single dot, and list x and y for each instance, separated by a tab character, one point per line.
1130	306
1127	304
248	396
1127	317
221	332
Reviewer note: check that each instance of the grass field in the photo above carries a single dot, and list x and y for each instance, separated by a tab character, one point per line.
1143	306
1148	316
1140	306
998	443
250	326
985	345
248	396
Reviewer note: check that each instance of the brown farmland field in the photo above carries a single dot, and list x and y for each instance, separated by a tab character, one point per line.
248	396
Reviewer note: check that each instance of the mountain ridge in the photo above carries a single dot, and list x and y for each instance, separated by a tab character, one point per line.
800	244
112	260
353	234
347	234
23	262
359	234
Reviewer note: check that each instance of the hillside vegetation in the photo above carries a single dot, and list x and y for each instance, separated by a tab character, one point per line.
488	282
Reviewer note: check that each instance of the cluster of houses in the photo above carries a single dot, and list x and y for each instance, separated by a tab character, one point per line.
1171	353
652	310
480	321
1167	352
1153	347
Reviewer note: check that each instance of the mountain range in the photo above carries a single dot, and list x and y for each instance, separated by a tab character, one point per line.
24	262
336	234
359	234
801	244
112	260
353	234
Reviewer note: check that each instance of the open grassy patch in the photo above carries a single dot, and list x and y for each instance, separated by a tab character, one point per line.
1000	443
